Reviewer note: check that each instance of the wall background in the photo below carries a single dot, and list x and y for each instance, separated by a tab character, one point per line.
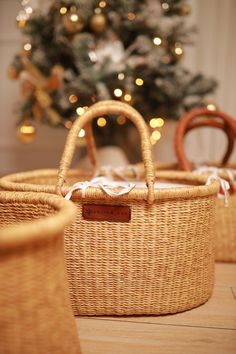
214	54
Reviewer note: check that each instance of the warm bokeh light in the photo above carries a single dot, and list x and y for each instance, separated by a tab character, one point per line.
156	135
127	97
63	10
156	122
102	4
27	129
121	76
178	51
27	47
73	98
74	17
157	41
101	122
165	6
28	10
118	92
80	111
211	107
81	133
139	81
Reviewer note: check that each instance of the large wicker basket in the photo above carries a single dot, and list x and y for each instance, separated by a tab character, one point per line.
35	313
225	228
160	261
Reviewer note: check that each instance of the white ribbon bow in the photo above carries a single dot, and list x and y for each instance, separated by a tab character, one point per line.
225	186
112	188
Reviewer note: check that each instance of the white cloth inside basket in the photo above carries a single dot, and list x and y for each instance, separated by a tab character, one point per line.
115	188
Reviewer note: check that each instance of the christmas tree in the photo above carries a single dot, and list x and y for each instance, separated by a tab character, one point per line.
76	52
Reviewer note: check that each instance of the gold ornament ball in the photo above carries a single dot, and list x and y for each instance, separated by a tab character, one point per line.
26	133
72	26
98	23
12	73
185	9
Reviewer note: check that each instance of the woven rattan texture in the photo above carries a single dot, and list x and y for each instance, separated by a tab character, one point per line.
161	262
36	316
225	218
226	230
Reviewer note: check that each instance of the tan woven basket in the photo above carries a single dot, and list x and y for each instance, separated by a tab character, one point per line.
161	260
225	221
35	313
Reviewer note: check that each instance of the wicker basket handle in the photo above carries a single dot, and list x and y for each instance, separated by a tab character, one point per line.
109	108
209	122
186	123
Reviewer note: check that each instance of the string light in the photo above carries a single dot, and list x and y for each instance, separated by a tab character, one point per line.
131	16
211	107
27	129
118	92
21	19
139	82
121	76
156	135
178	51
73	98
101	122
74	17
102	4
97	11
127	97
81	133
157	41
165	6
63	10
80	111
121	120
28	10
27	47
156	123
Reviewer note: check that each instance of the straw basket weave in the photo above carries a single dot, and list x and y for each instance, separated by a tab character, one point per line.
225	229
160	259
35	313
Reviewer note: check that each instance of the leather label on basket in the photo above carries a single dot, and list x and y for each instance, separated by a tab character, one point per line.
103	212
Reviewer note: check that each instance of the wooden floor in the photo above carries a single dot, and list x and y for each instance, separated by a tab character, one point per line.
208	329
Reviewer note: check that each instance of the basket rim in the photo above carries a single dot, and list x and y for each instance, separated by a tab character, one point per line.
13	181
201	189
37	230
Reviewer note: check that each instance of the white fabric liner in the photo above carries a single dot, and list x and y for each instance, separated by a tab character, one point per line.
158	185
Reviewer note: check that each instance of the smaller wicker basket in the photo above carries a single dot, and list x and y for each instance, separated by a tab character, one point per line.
36	316
225	229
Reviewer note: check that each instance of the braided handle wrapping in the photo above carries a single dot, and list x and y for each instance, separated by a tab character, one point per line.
108	108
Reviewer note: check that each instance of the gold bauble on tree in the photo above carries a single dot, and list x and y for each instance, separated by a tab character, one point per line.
98	23
185	9
26	132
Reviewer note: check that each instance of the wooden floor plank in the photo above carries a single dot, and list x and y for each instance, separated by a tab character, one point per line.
208	329
219	312
225	274
114	337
